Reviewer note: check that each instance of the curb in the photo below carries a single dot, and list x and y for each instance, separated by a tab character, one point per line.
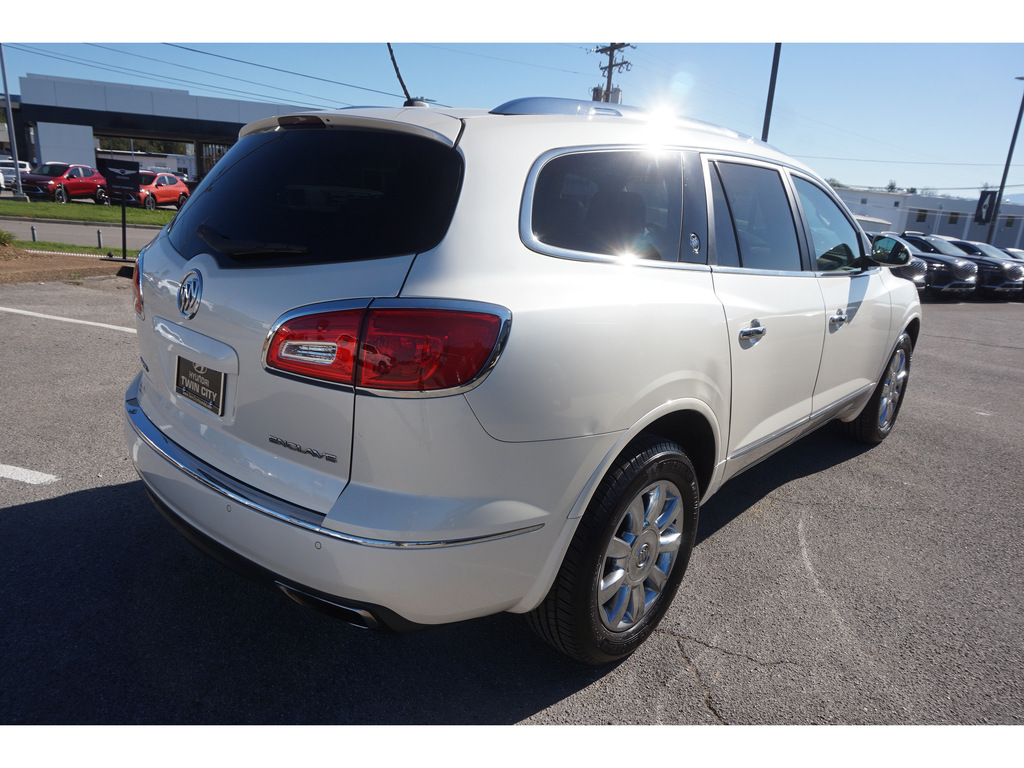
156	227
117	259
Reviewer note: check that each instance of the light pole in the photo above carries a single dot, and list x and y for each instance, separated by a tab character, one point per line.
18	195
1006	172
771	92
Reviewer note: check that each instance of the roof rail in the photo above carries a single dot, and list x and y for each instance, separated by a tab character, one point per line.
546	105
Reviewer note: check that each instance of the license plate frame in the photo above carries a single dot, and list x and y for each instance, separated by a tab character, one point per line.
200	385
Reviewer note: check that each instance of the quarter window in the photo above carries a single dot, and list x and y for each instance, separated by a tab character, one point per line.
834	239
761	218
614	203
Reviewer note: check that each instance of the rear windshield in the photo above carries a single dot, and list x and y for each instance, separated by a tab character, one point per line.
321	195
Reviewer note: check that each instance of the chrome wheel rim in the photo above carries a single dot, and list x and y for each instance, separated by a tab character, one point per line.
640	556
892	389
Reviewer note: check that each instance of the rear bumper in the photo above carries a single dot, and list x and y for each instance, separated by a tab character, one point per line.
378	583
357	614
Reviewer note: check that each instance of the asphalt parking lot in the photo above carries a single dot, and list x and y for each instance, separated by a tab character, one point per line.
830	585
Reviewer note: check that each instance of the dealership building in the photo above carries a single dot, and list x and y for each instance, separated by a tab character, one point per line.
63	119
963	218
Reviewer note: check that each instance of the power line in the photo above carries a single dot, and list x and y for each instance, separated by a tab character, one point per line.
896	162
206	72
285	71
157	77
508	61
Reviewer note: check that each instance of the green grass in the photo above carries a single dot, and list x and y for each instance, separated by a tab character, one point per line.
87	210
42	245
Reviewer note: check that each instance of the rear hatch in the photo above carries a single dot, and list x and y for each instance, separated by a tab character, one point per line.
301	211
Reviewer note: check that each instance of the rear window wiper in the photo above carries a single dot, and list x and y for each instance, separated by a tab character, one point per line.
231	247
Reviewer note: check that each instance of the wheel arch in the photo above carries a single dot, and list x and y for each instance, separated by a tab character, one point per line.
694	434
689	423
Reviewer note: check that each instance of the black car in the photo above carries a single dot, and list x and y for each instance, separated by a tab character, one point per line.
998	275
947	276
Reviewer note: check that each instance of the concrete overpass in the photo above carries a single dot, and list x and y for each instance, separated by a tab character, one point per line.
58	118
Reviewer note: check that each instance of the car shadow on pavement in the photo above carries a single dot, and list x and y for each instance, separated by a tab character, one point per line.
825	448
111	617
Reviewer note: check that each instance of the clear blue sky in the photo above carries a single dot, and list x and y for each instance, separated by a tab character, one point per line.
930	115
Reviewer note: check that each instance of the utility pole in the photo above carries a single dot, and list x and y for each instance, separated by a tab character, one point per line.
18	193
610	50
1006	172
771	92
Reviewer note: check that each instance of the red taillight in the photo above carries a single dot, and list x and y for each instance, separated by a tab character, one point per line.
137	284
321	346
425	349
400	350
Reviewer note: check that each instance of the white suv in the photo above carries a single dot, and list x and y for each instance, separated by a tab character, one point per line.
419	365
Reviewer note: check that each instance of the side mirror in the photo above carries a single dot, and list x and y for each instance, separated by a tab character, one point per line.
890	253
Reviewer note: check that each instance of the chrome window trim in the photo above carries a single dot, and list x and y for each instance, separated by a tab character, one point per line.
526	209
754	271
410	303
272	506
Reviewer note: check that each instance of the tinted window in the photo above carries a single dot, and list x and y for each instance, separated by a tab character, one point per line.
52	169
761	217
610	203
834	239
309	196
726	251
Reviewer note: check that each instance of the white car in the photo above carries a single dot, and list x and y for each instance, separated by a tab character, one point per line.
10	171
419	365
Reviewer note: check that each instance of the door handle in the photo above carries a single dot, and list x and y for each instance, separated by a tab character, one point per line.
754	332
839	318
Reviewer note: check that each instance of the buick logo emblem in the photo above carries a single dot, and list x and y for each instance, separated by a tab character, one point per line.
190	294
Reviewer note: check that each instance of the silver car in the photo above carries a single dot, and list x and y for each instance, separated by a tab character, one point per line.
418	365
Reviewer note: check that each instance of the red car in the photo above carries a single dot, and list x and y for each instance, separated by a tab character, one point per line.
61	182
159	189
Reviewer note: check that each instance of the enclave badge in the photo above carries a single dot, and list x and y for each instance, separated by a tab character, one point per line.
190	294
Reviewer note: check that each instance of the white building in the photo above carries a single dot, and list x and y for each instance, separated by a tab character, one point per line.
934	215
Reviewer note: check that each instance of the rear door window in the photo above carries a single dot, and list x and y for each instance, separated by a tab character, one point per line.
610	203
321	195
758	231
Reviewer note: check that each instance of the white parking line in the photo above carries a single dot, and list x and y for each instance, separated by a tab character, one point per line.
67	320
26	475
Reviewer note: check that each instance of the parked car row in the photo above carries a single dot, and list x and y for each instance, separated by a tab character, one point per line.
61	182
956	268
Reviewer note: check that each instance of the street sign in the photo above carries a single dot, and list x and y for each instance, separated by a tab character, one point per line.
121	175
986	205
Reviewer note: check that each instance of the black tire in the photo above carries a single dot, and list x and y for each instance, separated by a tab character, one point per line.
150	203
101	197
60	195
877	419
181	201
639	557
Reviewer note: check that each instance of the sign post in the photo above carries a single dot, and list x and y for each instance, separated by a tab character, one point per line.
123	177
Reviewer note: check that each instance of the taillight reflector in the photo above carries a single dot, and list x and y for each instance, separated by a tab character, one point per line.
393	349
137	285
321	346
